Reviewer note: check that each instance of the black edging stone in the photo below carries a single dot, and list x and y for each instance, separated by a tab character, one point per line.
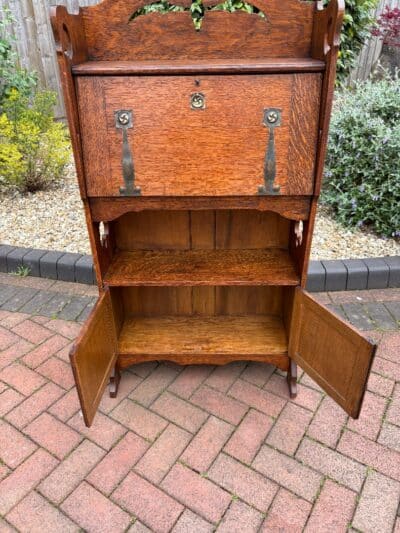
316	277
394	270
357	274
336	275
48	264
15	258
5	249
84	270
32	261
66	266
329	275
378	273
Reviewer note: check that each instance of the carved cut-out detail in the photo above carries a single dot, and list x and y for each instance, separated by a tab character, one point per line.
197	9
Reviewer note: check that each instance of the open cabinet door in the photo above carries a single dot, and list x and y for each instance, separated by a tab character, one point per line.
330	351
93	356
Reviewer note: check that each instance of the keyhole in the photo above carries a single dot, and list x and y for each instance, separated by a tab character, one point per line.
197	101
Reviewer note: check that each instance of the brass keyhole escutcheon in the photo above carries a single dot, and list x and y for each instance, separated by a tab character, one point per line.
272	117
124	118
197	101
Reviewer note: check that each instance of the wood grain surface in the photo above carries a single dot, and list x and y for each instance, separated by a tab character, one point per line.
269	65
330	351
291	207
217	151
202	267
286	31
93	356
161	336
201	301
208	229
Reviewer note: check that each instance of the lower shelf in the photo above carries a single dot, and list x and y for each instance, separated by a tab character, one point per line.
199	339
202	267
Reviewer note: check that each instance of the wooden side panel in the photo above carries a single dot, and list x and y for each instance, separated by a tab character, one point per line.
157	301
110	208
249	300
332	352
238	229
94	355
303	130
153	230
188	301
286	31
217	151
202	230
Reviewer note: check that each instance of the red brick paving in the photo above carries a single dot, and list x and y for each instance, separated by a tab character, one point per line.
196	492
118	462
288	513
378	504
333	509
71	472
248	437
243	482
187	449
151	505
206	445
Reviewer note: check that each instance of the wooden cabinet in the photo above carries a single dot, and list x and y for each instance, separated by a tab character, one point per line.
199	155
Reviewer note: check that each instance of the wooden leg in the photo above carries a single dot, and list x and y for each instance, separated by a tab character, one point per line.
114	382
292	379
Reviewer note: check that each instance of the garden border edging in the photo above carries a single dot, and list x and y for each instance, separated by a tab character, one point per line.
325	275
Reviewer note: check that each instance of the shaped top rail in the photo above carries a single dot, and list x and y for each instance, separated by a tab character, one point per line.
121	30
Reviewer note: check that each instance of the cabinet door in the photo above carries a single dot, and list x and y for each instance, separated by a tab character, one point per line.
205	135
330	351
93	356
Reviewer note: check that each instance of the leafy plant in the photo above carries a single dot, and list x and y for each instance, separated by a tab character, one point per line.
362	178
34	149
22	271
197	9
12	76
357	23
388	27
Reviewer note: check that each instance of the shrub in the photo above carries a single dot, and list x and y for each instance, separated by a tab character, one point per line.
12	76
34	149
358	20
362	178
388	27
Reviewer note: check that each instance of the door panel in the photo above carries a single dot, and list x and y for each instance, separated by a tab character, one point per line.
330	351
218	150
93	356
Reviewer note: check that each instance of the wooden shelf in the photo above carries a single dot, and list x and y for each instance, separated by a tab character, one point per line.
226	66
250	337
202	267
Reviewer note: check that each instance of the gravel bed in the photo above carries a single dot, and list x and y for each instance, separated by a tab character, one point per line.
54	220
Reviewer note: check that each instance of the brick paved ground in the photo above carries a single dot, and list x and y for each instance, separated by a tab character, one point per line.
189	449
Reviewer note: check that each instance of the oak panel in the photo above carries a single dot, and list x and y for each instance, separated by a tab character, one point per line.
331	351
202	267
285	32
93	356
217	151
272	65
162	336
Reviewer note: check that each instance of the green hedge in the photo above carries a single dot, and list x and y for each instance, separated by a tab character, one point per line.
362	177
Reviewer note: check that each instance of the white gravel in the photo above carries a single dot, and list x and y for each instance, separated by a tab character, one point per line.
54	220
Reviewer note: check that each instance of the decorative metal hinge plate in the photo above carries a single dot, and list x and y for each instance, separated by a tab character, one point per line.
272	119
124	121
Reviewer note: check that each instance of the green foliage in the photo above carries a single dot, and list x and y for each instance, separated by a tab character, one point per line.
12	76
22	271
358	20
197	9
34	149
362	180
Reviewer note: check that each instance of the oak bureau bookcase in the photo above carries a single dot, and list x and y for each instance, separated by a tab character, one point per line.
199	148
